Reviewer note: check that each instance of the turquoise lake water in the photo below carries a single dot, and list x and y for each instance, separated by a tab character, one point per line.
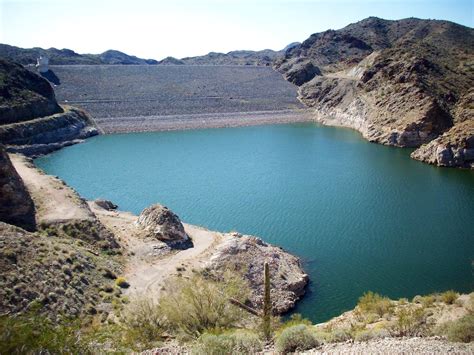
361	216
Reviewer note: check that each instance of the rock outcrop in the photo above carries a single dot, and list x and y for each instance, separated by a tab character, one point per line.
46	134
401	83
24	95
16	205
246	254
106	204
161	223
31	121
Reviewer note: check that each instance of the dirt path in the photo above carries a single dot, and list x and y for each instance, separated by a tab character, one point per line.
54	201
148	269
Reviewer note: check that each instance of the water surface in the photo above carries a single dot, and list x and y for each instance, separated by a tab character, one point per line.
360	215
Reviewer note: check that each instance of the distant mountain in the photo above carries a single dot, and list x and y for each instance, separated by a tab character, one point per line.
116	57
67	56
401	83
264	57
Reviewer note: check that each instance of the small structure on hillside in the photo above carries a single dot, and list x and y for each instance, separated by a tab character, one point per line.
42	64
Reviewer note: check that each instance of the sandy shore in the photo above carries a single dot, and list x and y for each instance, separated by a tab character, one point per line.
197	121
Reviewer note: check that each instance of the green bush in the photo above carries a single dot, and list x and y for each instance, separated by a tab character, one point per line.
236	342
369	334
121	282
197	305
372	302
143	322
30	334
461	330
410	322
449	297
296	338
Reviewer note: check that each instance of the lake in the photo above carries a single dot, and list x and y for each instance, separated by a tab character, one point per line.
361	216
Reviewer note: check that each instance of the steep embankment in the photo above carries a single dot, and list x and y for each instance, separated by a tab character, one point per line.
31	121
400	83
68	257
24	95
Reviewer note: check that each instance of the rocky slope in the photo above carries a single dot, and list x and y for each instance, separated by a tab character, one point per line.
31	121
68	266
16	205
24	95
68	57
401	83
46	134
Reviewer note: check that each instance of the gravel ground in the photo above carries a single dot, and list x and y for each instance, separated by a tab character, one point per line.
135	92
433	345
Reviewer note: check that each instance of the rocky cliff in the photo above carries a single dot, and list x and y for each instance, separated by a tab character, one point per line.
46	134
401	83
24	95
16	205
31	121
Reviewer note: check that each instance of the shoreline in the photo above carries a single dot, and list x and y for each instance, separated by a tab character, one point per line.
160	123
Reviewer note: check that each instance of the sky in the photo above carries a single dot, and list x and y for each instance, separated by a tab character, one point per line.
180	28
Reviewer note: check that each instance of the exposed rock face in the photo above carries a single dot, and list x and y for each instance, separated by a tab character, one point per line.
16	205
246	254
400	83
24	95
46	134
455	148
161	223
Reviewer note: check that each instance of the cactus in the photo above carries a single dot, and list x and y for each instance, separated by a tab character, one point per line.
267	304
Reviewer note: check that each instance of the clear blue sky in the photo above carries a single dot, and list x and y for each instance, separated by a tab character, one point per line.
155	29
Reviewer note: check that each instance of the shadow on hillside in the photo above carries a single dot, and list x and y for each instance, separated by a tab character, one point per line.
51	77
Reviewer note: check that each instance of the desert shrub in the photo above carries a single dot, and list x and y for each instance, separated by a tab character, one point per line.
36	334
426	301
192	306
143	321
121	282
340	335
236	342
461	330
296	338
449	297
369	334
410	322
294	319
372	302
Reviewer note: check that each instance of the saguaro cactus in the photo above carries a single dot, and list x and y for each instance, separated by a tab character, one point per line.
267	303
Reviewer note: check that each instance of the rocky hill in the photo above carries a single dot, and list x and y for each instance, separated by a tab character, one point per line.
402	83
31	121
67	56
24	95
262	58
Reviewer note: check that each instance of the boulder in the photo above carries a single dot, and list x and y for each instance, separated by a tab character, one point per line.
16	205
246	255
161	223
106	204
